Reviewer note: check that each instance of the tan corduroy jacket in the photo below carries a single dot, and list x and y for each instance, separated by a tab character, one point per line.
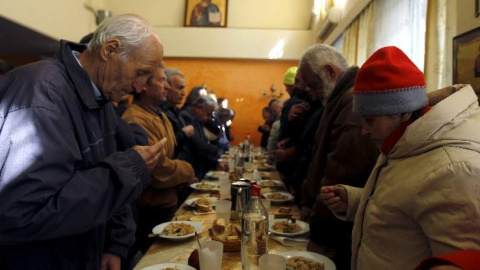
423	198
169	174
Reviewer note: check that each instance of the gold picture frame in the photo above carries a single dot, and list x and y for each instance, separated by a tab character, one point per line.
206	13
466	58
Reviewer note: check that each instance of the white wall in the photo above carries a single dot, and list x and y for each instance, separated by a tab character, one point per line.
253	26
256	14
59	19
232	43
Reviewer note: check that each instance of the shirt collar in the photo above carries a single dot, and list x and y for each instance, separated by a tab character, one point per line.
98	94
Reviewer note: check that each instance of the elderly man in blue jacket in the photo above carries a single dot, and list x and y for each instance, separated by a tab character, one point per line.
64	190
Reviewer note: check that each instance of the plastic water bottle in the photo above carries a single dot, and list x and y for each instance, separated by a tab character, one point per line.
254	231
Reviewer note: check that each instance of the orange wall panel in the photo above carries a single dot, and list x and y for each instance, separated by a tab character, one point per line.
242	82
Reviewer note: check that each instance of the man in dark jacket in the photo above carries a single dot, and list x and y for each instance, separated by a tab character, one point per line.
342	155
200	153
175	96
64	190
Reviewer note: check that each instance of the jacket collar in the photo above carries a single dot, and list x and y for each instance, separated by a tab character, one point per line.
169	106
344	83
392	140
79	77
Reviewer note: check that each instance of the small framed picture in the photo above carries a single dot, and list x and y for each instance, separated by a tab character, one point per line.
466	58
206	13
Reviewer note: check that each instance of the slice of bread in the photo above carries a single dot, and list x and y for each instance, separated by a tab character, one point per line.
202	207
219	225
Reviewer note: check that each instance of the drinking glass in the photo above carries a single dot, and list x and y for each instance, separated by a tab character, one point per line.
211	255
223	209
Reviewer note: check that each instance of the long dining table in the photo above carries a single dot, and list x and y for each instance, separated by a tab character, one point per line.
166	251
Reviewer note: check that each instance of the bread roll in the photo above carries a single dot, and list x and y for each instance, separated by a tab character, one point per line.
219	225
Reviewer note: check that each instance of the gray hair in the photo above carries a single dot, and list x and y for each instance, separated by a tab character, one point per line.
170	72
130	29
318	55
205	102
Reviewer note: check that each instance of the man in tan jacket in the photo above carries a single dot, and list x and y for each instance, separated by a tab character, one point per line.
158	202
422	197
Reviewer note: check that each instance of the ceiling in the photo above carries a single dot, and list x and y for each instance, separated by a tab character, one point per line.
19	41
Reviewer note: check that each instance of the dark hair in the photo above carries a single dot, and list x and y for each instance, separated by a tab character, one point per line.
192	96
267	110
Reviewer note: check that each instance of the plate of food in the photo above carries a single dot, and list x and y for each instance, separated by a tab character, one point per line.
202	186
304	260
213	174
264	167
202	205
265	175
271	183
169	266
289	227
177	230
278	197
193	202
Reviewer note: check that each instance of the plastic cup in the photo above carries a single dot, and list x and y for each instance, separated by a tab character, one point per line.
223	209
272	262
224	180
211	255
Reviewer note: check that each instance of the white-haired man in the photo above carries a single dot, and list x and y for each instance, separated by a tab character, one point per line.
64	191
341	153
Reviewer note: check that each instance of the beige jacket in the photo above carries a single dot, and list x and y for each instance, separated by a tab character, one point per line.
169	174
424	197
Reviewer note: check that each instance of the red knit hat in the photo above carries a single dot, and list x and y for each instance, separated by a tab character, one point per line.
389	83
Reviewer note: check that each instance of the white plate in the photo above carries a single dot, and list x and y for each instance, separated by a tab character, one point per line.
271	183
288	198
303	225
213	174
159	229
195	186
166	265
329	265
191	202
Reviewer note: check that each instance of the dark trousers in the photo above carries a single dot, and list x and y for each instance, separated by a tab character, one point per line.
148	218
336	235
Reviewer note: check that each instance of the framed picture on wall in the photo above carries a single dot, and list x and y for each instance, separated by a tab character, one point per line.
466	58
206	13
